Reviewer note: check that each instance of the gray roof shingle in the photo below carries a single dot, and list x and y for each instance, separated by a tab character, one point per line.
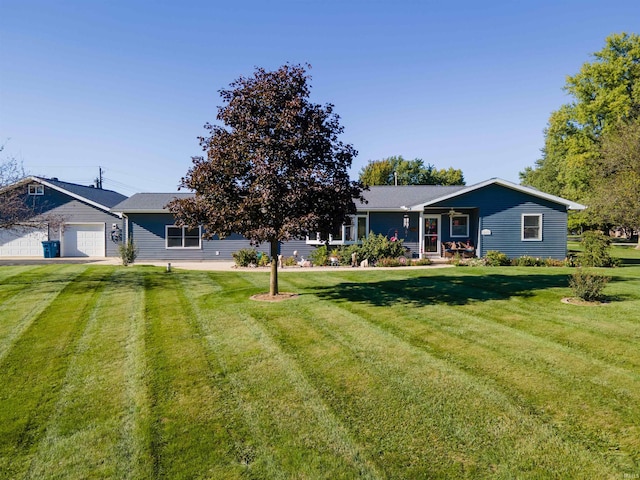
148	202
104	198
394	198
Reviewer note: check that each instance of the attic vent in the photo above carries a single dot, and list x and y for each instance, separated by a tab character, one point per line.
55	179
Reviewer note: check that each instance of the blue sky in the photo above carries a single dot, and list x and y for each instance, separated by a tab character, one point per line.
128	85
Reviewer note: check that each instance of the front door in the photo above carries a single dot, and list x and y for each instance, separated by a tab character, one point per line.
431	244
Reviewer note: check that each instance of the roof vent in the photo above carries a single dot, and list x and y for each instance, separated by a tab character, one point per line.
55	179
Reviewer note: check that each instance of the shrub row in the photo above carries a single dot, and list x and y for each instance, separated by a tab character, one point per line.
250	257
377	249
495	258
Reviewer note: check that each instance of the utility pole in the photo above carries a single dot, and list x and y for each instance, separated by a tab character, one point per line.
99	179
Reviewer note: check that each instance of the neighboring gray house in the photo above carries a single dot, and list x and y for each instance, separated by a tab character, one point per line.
491	215
78	216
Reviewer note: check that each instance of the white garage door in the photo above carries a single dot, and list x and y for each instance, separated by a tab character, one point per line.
83	240
22	242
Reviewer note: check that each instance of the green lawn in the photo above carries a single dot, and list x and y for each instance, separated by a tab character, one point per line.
113	372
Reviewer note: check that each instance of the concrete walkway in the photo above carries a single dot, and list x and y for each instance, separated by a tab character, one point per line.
210	265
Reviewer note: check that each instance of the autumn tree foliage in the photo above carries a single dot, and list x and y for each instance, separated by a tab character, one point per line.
397	170
275	168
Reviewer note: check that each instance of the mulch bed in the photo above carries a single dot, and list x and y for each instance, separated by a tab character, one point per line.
265	297
582	303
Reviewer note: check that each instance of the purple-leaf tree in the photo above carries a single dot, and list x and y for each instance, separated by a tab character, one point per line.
274	168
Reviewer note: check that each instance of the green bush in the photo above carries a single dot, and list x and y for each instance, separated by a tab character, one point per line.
588	286
245	257
378	246
289	261
345	254
595	250
527	261
128	252
263	259
495	258
319	256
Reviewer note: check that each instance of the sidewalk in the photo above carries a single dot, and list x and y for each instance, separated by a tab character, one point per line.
207	265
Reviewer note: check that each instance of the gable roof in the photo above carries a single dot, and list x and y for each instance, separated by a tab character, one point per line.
403	197
504	183
97	197
148	202
378	198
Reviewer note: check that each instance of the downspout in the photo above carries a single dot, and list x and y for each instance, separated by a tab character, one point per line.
125	227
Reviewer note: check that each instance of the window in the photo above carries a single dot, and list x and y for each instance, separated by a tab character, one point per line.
362	228
183	237
36	189
460	225
356	230
353	231
532	227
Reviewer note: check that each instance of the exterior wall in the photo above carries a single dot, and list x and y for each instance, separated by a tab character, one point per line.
299	246
392	224
445	224
70	210
148	232
500	210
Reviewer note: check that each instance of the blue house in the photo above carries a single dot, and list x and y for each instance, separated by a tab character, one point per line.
491	215
78	216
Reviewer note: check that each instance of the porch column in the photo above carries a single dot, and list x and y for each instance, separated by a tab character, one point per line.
421	234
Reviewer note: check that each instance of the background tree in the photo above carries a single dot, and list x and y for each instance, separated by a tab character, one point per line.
604	91
615	198
407	172
13	209
275	169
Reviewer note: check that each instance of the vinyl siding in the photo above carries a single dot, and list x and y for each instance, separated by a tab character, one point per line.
390	224
71	210
500	210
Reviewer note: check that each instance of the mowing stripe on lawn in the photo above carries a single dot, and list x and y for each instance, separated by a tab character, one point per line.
471	422
35	366
9	272
293	432
190	437
84	434
135	457
32	278
565	325
544	377
543	371
27	303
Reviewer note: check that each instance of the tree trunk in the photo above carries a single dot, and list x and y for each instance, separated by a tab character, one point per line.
273	281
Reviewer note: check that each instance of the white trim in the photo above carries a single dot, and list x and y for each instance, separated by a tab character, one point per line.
498	181
539	237
63	247
74	195
451	217
354	225
166	238
38	189
438	252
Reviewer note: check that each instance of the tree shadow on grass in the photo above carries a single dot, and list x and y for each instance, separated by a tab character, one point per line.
440	289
